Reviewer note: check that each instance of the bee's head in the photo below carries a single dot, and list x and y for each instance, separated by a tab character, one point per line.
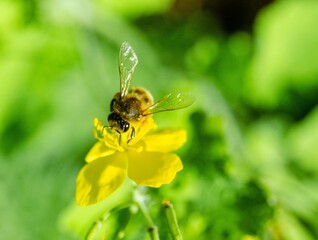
118	123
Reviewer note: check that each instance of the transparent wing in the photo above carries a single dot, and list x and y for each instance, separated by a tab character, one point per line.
127	63
172	101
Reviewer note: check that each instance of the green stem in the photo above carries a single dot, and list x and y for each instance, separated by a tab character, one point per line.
96	226
99	222
172	220
151	227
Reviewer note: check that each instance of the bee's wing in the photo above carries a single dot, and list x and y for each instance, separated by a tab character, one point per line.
127	63
172	101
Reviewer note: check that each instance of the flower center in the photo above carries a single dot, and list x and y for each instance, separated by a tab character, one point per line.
120	141
125	141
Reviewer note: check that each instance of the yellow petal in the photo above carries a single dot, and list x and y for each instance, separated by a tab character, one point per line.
164	140
142	129
153	168
97	151
100	178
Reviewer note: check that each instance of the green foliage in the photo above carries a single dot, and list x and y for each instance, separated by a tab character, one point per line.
250	163
286	59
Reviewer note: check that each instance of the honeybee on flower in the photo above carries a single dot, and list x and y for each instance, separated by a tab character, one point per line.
128	146
131	106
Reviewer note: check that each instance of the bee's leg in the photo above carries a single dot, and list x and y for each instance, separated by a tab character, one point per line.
132	135
119	138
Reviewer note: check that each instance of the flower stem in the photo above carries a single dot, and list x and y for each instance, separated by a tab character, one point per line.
96	226
172	220
99	222
152	229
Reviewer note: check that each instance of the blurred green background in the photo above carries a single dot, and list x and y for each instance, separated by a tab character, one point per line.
251	160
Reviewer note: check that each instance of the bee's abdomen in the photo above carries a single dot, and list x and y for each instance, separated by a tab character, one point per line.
143	95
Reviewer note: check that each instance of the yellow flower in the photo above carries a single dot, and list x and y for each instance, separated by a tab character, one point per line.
146	159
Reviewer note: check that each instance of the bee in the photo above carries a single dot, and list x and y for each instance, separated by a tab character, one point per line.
131	105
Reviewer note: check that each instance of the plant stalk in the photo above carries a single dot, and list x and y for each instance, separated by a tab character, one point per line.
152	229
172	220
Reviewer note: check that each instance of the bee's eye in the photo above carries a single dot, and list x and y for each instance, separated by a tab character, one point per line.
124	125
